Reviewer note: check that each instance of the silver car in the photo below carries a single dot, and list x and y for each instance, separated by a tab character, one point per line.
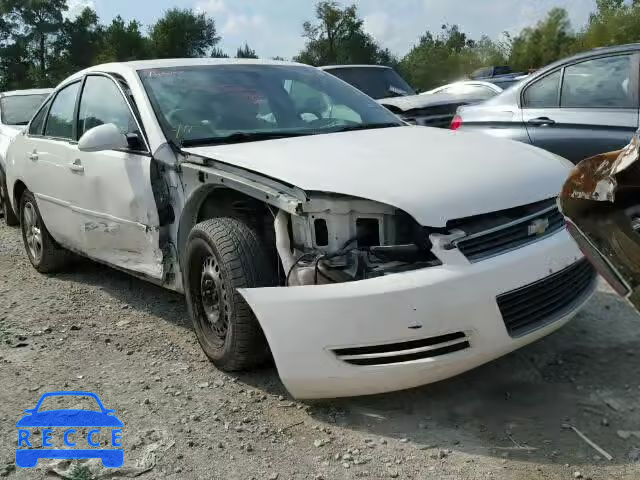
576	108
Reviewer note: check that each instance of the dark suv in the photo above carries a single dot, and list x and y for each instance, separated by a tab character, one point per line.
576	108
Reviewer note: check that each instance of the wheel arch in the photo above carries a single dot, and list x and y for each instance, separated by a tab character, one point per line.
19	187
214	201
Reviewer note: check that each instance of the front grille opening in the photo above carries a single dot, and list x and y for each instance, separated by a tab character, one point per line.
368	232
494	234
321	231
545	301
405	351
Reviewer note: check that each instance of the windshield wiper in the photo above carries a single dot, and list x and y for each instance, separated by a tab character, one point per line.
240	137
364	126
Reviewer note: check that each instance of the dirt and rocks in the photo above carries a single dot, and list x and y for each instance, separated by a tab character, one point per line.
95	329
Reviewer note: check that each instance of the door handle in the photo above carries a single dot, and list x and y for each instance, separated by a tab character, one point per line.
541	121
33	156
76	166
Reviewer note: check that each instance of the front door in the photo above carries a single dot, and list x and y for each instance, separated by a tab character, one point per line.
114	206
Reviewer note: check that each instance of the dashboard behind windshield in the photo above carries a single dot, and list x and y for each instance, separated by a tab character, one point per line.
208	103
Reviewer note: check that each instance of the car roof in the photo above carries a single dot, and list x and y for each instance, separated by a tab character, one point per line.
32	91
595	52
337	67
136	65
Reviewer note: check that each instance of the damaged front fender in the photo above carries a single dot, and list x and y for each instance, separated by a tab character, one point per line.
601	203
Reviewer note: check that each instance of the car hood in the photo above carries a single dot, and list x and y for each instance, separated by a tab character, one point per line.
435	175
69	418
418	102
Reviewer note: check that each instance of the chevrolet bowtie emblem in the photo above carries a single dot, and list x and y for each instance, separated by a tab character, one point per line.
539	226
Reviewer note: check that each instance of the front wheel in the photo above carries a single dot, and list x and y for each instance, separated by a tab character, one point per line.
44	253
223	255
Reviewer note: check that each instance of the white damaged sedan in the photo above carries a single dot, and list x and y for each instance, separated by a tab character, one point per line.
301	220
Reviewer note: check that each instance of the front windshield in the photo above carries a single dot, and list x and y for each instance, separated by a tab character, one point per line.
376	82
18	109
210	104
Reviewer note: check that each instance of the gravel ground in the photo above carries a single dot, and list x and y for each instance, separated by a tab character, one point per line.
96	329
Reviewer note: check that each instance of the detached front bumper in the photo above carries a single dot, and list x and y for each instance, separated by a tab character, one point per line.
414	328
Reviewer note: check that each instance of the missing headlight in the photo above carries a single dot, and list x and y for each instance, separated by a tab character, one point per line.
321	231
368	232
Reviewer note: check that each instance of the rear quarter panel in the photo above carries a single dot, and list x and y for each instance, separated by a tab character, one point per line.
498	121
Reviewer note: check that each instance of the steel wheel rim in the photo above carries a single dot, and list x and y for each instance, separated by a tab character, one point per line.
32	232
214	299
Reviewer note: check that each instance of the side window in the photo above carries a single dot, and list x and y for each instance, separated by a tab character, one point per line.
599	83
543	93
37	124
101	103
60	119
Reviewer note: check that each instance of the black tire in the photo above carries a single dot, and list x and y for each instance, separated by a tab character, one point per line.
49	257
222	255
5	205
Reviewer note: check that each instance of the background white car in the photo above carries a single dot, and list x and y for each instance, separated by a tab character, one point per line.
301	219
16	109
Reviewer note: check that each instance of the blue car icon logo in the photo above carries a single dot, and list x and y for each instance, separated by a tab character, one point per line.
68	422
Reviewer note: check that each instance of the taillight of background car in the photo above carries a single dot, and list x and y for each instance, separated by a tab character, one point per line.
456	123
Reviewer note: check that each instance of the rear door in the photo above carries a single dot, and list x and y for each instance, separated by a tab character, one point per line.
585	108
47	148
114	206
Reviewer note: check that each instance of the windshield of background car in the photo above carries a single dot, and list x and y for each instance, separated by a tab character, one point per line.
378	83
210	103
18	109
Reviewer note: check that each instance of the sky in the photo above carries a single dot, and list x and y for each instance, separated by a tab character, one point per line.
273	27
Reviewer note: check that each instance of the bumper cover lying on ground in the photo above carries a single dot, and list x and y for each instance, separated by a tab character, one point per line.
405	330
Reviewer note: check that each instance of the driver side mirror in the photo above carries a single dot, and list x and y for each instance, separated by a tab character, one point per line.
101	138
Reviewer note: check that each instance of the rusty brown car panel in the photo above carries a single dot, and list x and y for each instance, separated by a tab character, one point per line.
601	201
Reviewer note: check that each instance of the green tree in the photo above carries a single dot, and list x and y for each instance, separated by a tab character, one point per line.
246	52
37	24
123	41
338	38
15	66
183	33
217	52
450	55
614	22
549	40
77	45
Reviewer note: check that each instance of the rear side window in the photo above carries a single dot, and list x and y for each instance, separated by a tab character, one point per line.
37	124
60	120
599	83
544	92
